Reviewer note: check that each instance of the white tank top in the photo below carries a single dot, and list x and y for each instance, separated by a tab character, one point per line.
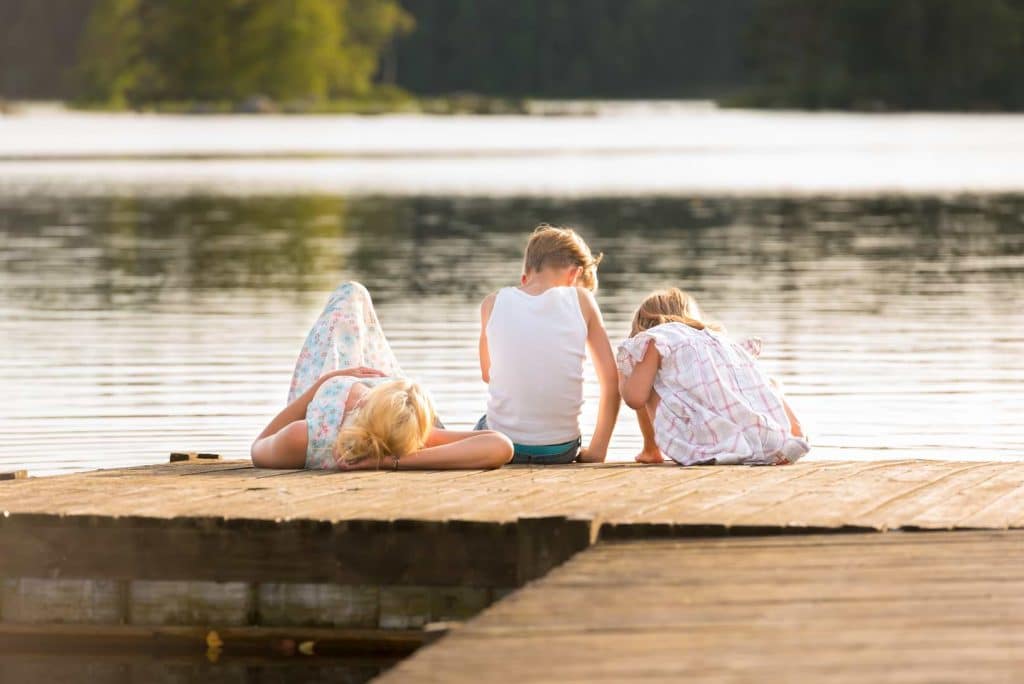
537	344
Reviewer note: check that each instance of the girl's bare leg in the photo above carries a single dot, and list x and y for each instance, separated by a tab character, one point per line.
794	422
347	335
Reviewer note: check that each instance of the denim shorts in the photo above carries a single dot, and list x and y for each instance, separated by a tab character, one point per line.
530	454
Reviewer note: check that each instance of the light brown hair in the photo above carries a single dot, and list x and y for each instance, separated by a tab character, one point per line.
669	306
561	248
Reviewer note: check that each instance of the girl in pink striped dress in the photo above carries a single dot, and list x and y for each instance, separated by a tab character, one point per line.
700	398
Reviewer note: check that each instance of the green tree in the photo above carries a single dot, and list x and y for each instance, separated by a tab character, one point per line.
290	50
111	62
189	46
371	27
143	51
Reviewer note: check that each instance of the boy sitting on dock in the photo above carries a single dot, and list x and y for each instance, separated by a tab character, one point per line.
533	341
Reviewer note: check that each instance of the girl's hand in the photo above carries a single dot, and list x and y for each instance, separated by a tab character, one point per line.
362	464
358	372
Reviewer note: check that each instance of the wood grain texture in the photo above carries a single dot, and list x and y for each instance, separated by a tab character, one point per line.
227	521
902	607
876	495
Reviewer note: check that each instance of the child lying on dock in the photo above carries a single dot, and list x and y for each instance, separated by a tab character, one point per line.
700	397
351	408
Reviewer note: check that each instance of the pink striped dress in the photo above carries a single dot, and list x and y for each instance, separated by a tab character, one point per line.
717	407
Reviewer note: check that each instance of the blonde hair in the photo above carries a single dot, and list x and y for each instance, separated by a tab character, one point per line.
394	420
561	247
669	306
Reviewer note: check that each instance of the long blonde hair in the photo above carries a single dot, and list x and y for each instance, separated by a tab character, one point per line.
394	420
561	247
670	306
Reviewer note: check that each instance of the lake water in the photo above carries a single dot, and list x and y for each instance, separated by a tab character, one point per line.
627	150
135	324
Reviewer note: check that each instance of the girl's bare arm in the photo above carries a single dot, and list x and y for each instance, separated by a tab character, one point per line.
439	436
482	450
285	448
636	389
283	441
649	453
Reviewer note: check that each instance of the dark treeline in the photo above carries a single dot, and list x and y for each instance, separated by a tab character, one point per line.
884	54
576	48
39	46
889	54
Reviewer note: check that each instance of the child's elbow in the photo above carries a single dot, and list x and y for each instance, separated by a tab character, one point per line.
500	450
634	400
256	452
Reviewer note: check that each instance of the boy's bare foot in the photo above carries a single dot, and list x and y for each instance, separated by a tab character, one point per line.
650	456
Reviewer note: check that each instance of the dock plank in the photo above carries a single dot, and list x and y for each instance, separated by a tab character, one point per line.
878	495
498	528
900	607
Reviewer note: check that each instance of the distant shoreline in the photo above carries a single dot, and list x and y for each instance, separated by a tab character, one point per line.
629	148
459	104
465	104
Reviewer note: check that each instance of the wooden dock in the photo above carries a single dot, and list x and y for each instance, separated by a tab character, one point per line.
224	545
937	607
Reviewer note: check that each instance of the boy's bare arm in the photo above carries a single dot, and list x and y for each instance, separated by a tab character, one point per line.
485	357
607	375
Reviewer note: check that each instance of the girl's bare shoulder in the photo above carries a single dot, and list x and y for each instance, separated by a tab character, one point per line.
355	395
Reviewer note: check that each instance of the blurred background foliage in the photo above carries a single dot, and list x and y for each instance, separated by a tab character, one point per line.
857	54
141	51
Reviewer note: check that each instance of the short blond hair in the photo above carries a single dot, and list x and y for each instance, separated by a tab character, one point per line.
669	306
561	248
394	420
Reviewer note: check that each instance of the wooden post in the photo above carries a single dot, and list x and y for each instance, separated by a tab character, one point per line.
547	542
14	475
179	456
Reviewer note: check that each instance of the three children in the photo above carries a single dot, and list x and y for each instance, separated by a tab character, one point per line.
700	397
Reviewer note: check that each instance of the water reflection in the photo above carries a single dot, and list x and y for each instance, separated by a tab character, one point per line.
142	668
133	326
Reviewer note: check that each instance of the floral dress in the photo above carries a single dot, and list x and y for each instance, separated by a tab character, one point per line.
346	335
716	407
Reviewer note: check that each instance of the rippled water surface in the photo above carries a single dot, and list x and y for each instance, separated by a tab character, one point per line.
134	326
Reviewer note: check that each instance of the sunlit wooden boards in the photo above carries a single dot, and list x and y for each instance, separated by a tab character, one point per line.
227	521
898	607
